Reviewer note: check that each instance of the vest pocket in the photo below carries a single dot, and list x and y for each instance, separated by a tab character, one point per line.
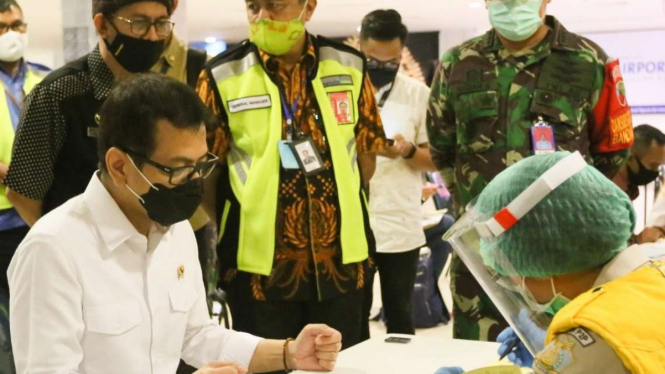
477	114
562	112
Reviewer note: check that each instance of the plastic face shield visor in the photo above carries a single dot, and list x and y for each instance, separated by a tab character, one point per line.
474	238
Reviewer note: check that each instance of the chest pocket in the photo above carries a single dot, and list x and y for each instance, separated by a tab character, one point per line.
182	296
476	115
564	113
113	319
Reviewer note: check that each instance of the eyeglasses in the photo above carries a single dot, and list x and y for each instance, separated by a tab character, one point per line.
17	26
141	28
373	64
183	174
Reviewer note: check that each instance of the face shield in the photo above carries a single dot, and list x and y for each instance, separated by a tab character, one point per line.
474	239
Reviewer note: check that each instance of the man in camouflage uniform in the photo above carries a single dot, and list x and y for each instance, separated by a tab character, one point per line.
487	95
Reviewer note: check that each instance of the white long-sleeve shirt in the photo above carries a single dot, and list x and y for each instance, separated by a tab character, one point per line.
89	294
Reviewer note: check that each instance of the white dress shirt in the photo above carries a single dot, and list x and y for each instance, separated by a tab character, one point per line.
396	188
92	295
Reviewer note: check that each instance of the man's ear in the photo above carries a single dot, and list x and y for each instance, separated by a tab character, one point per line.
103	28
309	12
116	166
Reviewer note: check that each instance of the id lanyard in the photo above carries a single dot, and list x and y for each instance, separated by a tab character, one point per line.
289	113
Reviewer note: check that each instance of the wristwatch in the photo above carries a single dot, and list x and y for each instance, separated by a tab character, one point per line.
412	152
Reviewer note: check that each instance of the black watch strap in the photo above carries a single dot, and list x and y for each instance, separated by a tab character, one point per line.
412	153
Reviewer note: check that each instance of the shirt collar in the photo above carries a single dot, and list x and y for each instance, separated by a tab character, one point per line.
112	224
100	75
558	38
623	264
20	77
175	51
308	59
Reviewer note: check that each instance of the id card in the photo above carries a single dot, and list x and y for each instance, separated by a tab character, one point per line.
287	157
341	105
542	137
308	157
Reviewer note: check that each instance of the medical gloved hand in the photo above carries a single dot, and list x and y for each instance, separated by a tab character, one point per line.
450	370
536	335
520	356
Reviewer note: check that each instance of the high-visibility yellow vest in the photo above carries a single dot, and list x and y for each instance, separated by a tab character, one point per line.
254	109
7	129
628	314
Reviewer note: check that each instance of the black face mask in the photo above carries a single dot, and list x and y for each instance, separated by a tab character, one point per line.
643	176
382	77
168	206
135	55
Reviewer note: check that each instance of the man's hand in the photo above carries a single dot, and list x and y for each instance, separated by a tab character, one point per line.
401	148
315	349
3	171
650	235
221	367
429	190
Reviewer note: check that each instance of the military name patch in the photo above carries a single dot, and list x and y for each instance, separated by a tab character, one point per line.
249	103
337	80
582	336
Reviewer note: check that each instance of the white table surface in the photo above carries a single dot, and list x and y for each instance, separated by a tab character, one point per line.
423	355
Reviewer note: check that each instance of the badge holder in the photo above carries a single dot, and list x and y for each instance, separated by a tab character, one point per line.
308	156
542	137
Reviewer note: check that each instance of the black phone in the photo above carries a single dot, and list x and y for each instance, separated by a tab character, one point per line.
394	339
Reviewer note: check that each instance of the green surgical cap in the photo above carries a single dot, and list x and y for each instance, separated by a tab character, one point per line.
582	224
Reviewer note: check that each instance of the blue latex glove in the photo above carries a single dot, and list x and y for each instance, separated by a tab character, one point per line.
450	370
520	355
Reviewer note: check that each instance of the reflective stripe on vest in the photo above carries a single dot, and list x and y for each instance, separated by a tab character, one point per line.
7	130
254	164
627	314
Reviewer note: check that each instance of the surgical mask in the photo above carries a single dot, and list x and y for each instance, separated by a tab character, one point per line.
135	55
382	77
552	307
643	176
12	46
277	37
168	206
515	20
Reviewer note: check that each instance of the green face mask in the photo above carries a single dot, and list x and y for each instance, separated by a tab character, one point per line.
515	20
277	37
553	307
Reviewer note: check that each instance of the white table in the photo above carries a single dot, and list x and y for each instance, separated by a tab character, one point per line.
423	355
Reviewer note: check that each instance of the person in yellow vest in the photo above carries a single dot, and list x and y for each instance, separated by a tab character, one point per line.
18	78
551	232
294	236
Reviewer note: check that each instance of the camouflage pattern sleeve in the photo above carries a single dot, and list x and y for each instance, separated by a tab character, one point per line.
441	128
610	123
578	351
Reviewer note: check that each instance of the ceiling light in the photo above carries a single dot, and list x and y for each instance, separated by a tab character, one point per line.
211	39
475	5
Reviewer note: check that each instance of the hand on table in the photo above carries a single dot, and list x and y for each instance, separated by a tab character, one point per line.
401	148
450	370
222	367
315	349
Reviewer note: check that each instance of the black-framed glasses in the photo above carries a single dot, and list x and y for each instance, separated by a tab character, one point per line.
182	174
373	64
141	27
18	26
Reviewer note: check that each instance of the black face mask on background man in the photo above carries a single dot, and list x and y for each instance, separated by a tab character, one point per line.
382	77
135	55
643	176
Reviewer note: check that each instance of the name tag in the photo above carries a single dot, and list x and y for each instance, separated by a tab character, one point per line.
250	103
337	80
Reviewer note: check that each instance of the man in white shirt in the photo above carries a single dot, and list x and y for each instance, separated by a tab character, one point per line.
395	190
110	282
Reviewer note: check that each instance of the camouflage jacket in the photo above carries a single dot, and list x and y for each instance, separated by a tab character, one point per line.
485	100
